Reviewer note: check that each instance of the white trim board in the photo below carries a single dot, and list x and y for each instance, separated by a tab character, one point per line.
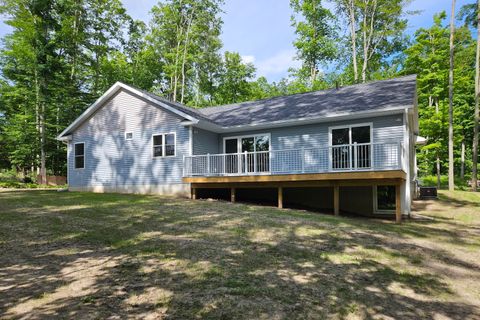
375	202
108	94
164	155
84	155
239	144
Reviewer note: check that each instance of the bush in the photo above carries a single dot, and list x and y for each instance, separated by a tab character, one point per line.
8	176
431	181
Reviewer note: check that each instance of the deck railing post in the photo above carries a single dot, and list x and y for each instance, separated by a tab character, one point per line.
184	165
399	154
246	162
255	162
208	163
355	158
372	155
240	162
350	164
302	159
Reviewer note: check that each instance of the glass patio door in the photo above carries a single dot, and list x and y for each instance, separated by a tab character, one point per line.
231	157
351	147
248	147
248	154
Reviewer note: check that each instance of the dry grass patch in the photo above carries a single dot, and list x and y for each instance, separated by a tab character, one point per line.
81	255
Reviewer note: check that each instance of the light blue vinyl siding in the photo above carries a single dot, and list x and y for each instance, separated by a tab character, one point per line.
314	139
111	161
385	129
205	142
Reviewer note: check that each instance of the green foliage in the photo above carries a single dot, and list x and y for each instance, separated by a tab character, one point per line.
428	58
62	54
316	33
431	181
233	77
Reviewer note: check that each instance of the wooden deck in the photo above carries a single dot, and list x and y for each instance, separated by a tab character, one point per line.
326	179
334	180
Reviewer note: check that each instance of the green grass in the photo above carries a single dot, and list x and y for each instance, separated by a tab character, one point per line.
68	255
460	184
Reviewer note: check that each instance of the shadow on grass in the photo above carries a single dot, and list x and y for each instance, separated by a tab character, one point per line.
71	254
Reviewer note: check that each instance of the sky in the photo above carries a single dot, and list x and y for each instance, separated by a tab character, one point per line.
261	31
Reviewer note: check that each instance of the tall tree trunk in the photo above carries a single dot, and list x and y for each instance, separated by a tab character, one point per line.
435	101
462	157
476	115
184	57
368	35
438	170
353	39
43	167
451	183
37	118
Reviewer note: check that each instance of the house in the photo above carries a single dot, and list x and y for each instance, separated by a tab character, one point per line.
347	149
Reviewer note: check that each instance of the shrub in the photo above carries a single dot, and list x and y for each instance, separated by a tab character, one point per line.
431	181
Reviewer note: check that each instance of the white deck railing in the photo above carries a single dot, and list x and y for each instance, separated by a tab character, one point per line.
349	157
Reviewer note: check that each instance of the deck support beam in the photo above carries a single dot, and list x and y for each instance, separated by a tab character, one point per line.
398	204
232	195
336	200
280	197
193	193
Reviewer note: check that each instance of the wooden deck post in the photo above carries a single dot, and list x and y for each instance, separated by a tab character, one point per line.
232	194
280	197
336	200
398	204
193	193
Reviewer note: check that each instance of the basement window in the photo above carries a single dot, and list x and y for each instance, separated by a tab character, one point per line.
384	199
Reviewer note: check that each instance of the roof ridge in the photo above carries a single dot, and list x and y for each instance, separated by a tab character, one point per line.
300	93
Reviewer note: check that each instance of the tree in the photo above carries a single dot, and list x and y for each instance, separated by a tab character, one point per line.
376	32
233	80
185	34
451	183
316	34
428	58
52	67
477	97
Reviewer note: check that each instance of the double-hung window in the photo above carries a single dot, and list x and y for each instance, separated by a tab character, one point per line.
164	145
79	154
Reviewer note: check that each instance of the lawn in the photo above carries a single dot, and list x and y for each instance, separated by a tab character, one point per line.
90	256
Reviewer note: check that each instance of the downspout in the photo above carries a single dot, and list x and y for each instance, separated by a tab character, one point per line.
406	164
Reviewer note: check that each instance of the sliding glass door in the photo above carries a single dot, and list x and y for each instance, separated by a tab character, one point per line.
350	147
247	154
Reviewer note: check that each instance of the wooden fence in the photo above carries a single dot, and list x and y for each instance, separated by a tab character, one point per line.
52	180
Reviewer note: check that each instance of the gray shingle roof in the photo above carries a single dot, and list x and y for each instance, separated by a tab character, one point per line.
398	93
190	111
372	96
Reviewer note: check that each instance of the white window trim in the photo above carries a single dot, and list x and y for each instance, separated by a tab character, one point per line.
375	201
239	141
75	155
127	132
164	144
350	126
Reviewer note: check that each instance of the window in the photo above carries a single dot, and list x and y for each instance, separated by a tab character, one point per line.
169	145
164	145
128	135
259	162
385	199
346	155
79	154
